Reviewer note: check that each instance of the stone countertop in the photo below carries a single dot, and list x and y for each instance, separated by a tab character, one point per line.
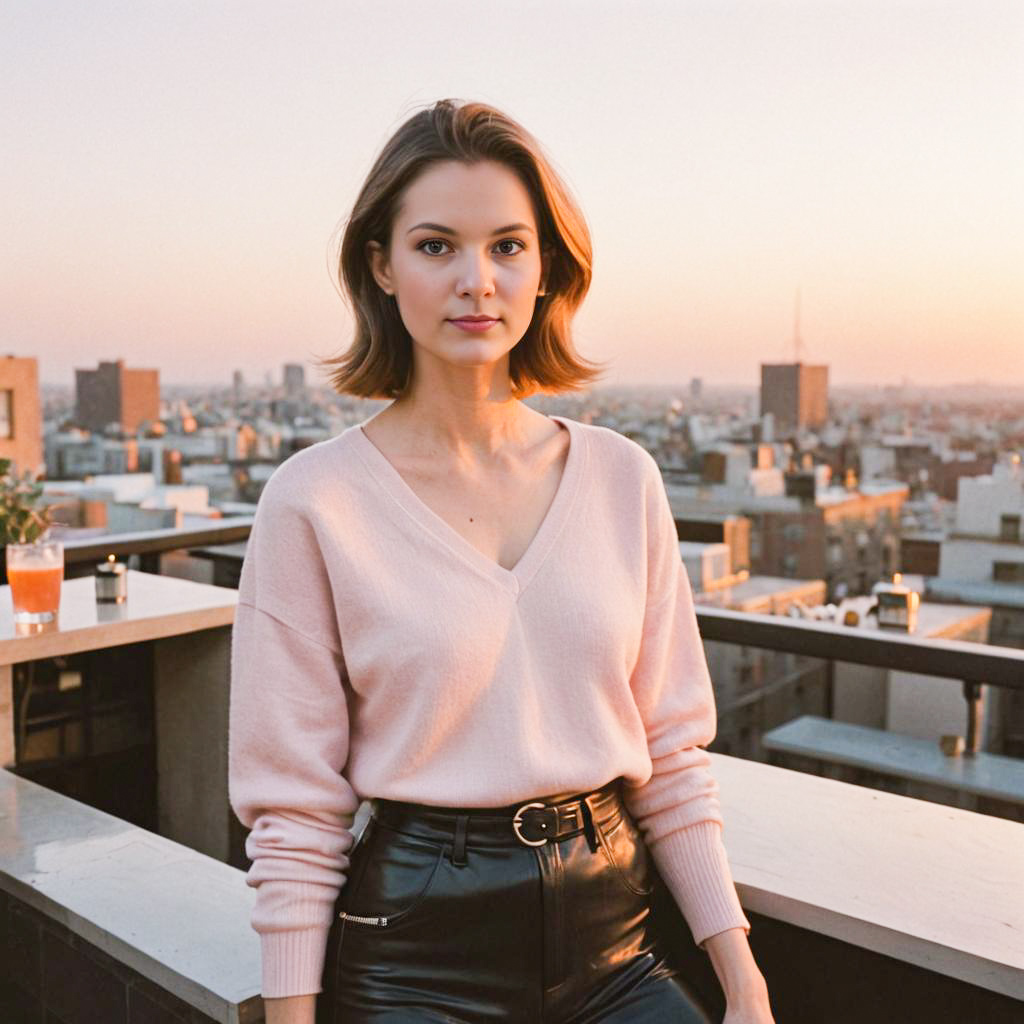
156	607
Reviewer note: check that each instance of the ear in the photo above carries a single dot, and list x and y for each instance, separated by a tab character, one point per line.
380	267
545	268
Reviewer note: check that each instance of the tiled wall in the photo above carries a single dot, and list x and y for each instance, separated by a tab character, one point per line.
48	975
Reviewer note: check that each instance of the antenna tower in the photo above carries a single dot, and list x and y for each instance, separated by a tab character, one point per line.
798	343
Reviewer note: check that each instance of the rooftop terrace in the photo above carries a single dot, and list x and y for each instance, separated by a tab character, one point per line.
865	905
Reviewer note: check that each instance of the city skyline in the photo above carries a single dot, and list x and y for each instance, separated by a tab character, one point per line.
180	182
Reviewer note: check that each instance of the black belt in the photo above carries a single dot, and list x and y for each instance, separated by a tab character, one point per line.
531	823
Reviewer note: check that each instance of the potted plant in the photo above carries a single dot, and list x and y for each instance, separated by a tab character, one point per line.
24	524
22	520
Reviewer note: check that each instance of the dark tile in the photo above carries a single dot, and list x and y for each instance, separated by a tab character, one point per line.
143	1010
21	959
79	988
18	1006
150	1004
104	961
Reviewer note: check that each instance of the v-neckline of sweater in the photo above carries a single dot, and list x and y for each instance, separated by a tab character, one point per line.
519	576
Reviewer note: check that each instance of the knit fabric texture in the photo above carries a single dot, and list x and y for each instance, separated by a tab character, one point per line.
377	653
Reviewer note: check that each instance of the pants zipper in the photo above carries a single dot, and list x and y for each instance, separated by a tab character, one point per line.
380	922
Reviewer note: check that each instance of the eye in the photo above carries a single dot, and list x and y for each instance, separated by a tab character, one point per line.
432	241
512	241
441	242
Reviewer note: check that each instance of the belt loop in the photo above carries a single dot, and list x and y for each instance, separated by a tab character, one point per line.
588	825
459	849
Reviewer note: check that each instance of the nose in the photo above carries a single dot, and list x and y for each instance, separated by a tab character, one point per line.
476	277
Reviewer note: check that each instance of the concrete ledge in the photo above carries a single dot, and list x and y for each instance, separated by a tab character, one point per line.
934	886
903	757
178	918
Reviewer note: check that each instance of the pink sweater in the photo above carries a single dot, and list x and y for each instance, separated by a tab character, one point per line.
377	653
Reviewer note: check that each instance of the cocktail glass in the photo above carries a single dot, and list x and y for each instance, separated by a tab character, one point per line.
35	572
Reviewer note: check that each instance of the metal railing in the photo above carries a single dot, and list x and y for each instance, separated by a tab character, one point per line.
149	545
974	664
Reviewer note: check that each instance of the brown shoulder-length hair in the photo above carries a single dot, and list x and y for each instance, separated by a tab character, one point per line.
378	363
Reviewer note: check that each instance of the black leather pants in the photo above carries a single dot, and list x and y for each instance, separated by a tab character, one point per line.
449	915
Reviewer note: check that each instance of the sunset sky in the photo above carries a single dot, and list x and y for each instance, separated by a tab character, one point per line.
174	174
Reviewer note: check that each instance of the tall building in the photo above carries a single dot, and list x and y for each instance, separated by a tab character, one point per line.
21	429
981	561
113	394
294	380
795	394
237	384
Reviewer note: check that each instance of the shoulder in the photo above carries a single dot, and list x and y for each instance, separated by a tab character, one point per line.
284	555
301	476
618	454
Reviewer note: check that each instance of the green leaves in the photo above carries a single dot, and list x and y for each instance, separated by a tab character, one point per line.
21	522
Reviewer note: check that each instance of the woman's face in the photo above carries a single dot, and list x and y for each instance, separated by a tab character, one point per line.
463	243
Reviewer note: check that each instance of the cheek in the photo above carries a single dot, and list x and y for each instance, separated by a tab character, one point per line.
420	291
520	278
523	287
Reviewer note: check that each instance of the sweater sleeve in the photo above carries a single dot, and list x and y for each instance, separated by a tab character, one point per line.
677	810
288	742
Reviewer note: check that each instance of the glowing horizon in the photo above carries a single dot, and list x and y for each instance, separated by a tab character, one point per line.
178	180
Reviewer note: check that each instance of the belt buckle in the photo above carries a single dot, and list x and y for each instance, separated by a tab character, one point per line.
517	820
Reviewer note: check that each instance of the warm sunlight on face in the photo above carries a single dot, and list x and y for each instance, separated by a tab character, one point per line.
463	244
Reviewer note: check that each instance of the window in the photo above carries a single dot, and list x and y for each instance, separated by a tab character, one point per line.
6	414
1008	572
1009	527
835	551
793	532
755	544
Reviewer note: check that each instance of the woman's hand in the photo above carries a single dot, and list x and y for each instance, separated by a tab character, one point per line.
746	992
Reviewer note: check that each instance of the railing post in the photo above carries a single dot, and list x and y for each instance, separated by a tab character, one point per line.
830	688
973	696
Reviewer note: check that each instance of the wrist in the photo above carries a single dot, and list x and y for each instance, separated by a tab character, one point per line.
738	974
751	991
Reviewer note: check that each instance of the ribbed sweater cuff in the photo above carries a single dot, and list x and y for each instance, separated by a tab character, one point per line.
695	867
293	962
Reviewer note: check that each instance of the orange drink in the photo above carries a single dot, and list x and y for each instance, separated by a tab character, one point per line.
35	572
36	590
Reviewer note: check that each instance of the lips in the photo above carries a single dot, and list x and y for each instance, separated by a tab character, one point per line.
474	324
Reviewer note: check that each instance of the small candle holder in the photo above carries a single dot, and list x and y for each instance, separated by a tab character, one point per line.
111	581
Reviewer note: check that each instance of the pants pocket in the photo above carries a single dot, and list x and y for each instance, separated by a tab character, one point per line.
396	878
624	846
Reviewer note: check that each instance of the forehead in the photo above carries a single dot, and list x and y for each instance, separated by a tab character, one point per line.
466	197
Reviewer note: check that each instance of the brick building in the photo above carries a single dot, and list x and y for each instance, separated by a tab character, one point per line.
795	394
21	429
113	394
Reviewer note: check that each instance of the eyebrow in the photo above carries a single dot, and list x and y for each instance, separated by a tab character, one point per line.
442	230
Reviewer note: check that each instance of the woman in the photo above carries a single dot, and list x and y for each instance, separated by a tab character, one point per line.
475	616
